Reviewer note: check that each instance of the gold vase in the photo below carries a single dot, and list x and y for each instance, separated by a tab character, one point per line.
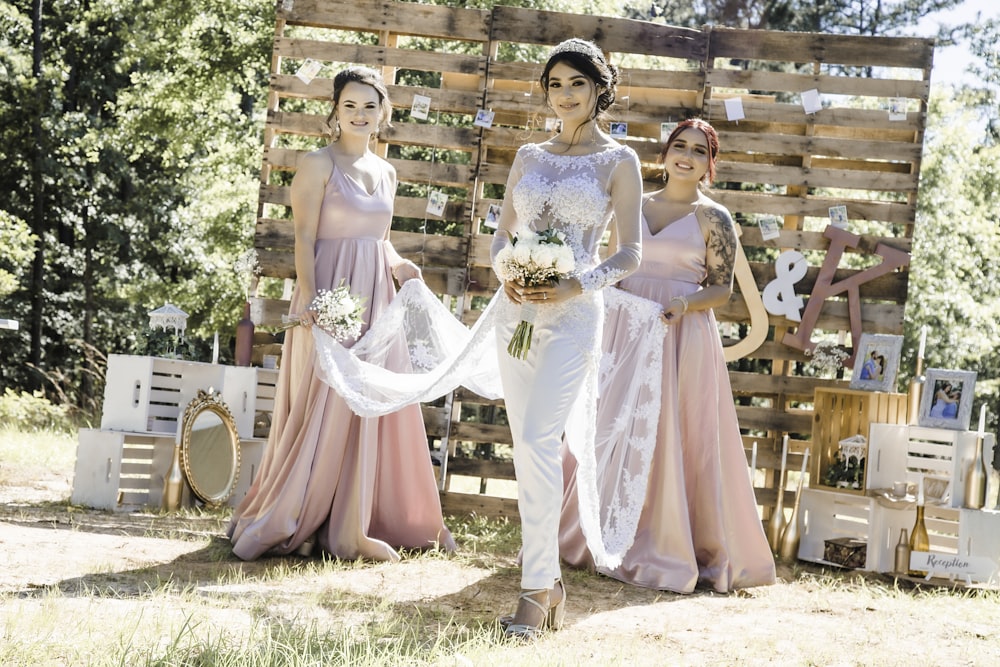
173	483
776	526
975	480
789	547
919	541
901	564
913	398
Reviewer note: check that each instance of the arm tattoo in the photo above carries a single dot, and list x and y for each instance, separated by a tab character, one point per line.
722	243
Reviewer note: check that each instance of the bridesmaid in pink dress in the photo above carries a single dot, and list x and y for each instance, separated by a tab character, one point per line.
699	523
356	487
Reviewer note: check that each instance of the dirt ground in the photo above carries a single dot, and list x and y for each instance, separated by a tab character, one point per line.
806	619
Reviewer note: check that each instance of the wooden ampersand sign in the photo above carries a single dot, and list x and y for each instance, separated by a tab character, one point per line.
840	240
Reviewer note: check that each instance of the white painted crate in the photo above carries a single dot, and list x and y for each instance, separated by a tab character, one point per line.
826	515
942	531
251	453
149	394
117	470
899	452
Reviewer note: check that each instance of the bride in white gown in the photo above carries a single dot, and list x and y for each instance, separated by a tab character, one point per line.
579	182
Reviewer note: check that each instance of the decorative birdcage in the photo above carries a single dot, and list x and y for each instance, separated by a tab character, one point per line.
169	316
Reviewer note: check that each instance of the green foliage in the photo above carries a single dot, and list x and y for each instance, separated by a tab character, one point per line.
134	154
32	412
835	16
17	240
846	471
163	343
954	289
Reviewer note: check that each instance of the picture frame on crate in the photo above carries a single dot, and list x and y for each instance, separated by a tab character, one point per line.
946	401
877	362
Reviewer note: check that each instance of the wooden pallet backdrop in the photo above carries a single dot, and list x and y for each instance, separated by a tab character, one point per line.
777	161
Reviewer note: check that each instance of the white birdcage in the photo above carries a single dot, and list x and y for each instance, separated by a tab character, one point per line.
169	316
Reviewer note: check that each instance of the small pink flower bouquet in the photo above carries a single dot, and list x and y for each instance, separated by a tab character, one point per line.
338	312
532	259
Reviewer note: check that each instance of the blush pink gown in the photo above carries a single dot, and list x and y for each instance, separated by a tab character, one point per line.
699	522
363	486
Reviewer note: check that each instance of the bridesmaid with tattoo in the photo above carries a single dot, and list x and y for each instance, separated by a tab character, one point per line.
699	524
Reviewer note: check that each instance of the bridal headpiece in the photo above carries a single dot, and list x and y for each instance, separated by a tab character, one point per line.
577	45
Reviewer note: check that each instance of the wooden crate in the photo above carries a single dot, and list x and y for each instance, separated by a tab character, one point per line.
828	515
911	453
120	470
839	414
148	394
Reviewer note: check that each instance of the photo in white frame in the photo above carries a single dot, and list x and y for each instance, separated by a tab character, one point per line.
877	362
946	401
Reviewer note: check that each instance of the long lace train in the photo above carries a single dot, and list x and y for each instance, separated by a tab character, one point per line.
445	354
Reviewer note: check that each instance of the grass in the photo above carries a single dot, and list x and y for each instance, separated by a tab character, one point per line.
205	608
36	450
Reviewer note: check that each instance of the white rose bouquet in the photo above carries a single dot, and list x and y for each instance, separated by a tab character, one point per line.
338	312
533	258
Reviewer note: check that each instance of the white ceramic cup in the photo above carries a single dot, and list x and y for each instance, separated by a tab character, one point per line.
899	489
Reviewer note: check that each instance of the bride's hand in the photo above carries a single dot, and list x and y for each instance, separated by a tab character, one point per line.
556	292
307	318
513	291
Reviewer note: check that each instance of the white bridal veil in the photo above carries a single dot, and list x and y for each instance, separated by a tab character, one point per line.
612	438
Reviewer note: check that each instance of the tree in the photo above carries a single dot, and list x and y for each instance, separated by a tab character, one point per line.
133	154
17	242
852	17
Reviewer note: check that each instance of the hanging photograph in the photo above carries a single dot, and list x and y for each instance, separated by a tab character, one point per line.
877	362
946	401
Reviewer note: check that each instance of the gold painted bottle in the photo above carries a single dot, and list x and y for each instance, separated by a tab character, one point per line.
913	398
901	564
776	526
173	483
919	541
789	547
975	480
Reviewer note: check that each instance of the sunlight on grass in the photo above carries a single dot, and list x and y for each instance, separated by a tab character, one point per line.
54	451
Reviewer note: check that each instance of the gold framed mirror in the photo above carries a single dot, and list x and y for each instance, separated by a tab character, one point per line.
210	448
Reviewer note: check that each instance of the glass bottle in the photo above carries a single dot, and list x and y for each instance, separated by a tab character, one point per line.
244	338
901	564
173	483
919	541
975	479
913	397
776	526
789	547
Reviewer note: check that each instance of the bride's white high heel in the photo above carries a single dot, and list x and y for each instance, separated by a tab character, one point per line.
552	616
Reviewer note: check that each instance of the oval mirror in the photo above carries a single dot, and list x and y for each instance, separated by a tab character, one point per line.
210	448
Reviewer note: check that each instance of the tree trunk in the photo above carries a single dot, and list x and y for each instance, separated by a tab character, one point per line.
38	208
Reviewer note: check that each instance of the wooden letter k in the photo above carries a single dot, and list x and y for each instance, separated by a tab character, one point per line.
840	239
